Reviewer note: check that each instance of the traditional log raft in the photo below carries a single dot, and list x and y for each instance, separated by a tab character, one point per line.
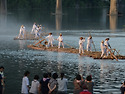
95	55
29	36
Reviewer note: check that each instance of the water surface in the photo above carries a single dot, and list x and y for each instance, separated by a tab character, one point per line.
17	58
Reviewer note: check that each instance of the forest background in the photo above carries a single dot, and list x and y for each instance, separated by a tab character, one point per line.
50	4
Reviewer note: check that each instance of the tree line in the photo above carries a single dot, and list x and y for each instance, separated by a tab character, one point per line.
32	4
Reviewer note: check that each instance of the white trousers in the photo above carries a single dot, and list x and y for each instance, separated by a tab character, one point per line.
107	52
60	43
81	49
103	52
50	42
89	48
21	34
37	34
33	31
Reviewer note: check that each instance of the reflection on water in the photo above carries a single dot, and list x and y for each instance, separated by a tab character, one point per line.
113	22
3	6
16	57
58	21
22	44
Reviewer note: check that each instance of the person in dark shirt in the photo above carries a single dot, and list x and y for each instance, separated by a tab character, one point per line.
44	84
1	86
122	88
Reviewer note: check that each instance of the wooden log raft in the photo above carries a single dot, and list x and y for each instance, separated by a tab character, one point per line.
95	55
29	36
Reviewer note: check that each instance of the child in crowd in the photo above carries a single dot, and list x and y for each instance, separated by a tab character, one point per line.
34	85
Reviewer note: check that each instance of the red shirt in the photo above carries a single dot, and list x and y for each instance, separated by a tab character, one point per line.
85	92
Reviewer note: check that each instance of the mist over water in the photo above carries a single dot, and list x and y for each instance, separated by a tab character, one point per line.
16	57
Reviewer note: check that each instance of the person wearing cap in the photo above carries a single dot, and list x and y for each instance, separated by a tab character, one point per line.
50	39
60	39
22	32
81	45
89	42
85	90
33	28
106	43
102	48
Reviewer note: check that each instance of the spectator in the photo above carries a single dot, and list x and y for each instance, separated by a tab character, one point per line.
3	78
25	83
1	86
34	85
89	83
122	88
49	75
85	90
44	84
78	84
52	85
62	84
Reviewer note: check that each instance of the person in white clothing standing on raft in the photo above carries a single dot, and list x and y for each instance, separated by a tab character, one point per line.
102	48
106	43
60	39
81	45
50	39
22	32
33	28
37	34
89	42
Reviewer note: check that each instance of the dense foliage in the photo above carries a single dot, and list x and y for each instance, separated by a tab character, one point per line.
30	4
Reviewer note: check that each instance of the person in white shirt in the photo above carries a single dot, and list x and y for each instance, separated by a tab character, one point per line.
89	42
25	83
33	28
22	32
106	43
40	30
35	85
102	48
81	45
50	39
60	39
37	34
62	84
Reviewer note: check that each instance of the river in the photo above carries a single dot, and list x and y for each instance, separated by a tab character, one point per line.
74	23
